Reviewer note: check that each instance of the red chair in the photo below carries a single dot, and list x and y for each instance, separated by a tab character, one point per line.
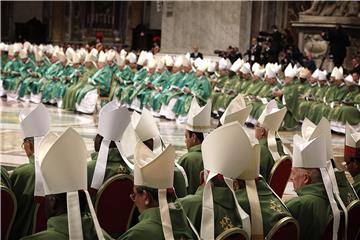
8	211
233	234
353	231
285	228
280	174
328	233
113	205
40	217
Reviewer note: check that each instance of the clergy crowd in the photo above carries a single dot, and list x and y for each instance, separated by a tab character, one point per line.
223	182
85	79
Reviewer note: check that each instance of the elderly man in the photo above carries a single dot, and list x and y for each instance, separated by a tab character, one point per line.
311	176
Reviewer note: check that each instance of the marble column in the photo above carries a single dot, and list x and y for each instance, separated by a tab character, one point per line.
58	13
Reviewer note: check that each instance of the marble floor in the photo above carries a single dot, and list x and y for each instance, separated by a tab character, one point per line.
12	154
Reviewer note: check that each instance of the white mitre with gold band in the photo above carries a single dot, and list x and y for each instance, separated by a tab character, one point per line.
231	139
236	111
156	171
271	119
199	117
63	162
309	132
113	121
36	123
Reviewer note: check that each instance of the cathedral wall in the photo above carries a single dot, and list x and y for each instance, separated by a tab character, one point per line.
208	25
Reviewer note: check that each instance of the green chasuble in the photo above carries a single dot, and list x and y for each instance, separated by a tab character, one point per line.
347	193
193	164
179	183
162	85
217	90
266	159
315	111
5	179
69	99
333	97
272	208
23	183
227	93
12	83
175	82
290	100
139	76
305	101
225	215
346	103
312	210
124	77
356	184
102	79
200	88
49	84
37	82
57	229
115	165
150	227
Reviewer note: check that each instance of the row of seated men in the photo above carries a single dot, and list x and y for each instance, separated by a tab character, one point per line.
226	173
75	79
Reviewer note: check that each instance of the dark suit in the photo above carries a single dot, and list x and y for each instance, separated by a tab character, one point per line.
196	55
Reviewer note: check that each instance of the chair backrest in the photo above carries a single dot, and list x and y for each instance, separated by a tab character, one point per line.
233	234
353	231
40	217
113	205
8	211
280	174
285	228
328	233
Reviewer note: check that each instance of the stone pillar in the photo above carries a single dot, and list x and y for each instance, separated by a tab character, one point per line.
58	13
245	25
134	18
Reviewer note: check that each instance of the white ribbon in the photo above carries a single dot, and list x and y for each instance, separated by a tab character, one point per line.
74	216
123	156
182	170
272	145
336	192
98	230
100	167
39	179
165	215
255	209
207	218
334	208
245	219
